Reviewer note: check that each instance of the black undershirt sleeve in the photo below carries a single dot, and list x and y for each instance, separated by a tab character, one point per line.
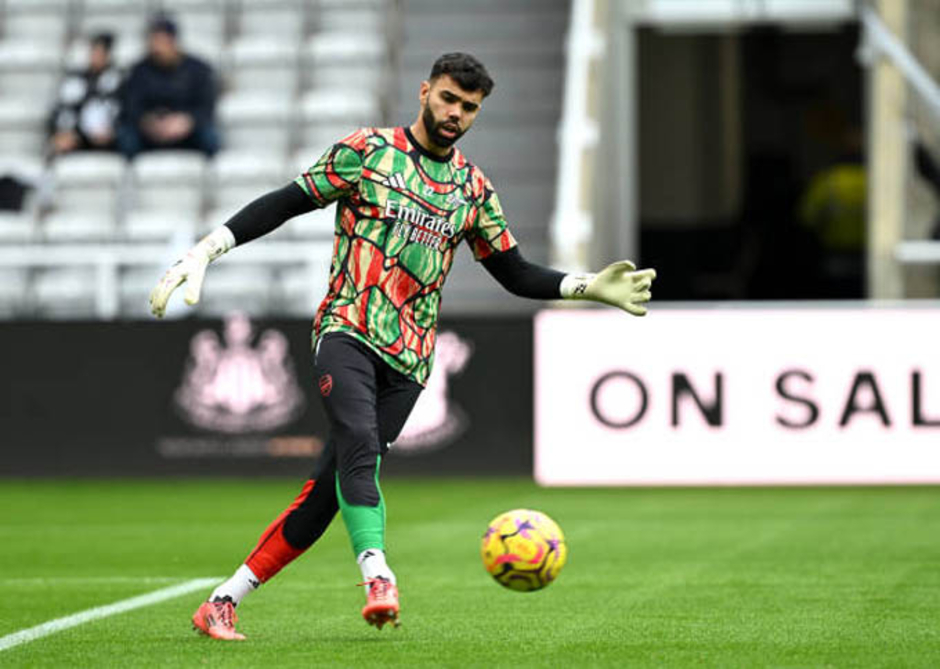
522	278
269	212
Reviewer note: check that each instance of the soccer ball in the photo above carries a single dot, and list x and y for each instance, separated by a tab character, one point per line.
523	550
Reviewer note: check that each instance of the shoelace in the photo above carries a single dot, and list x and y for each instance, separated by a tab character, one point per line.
227	614
378	587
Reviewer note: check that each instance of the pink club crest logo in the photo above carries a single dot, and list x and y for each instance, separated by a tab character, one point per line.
436	420
233	386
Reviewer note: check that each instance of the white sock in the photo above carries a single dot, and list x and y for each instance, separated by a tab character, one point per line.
372	563
240	584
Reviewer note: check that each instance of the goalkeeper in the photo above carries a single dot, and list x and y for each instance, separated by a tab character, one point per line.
405	199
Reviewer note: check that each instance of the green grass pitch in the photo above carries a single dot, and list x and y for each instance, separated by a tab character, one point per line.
839	577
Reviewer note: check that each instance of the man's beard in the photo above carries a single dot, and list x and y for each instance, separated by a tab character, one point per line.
432	127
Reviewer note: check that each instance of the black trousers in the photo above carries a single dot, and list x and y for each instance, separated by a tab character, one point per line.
367	403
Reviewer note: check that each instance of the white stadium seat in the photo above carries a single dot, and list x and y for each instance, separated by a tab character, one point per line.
242	288
263	63
65	292
169	181
14	282
156	226
29	69
302	288
256	121
16	227
127	19
88	181
197	18
68	226
237	175
134	286
352	19
345	60
284	19
315	225
38	25
330	114
22	126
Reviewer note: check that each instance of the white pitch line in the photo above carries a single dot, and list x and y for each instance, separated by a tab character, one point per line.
86	580
82	617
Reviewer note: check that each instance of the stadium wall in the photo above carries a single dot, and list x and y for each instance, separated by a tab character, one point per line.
235	397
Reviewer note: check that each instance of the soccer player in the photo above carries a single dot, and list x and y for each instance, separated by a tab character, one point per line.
405	198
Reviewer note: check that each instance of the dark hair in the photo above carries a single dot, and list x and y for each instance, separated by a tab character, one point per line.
103	39
465	70
163	23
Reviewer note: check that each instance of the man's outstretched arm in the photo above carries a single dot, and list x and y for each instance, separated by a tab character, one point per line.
620	284
257	218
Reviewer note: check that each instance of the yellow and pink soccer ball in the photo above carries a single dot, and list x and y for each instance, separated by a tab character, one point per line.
523	550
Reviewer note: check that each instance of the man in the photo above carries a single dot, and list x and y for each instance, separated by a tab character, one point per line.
405	200
169	98
87	106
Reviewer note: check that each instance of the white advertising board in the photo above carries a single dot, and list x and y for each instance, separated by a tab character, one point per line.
737	397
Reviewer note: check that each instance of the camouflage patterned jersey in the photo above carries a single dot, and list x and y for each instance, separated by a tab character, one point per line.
401	212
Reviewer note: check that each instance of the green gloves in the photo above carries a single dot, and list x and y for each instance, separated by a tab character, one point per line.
619	285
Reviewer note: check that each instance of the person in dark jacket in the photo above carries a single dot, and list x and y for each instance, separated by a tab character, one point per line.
169	98
87	105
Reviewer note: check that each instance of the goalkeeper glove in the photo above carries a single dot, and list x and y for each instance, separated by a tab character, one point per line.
618	285
191	268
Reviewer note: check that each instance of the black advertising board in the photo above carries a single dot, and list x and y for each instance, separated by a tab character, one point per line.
237	397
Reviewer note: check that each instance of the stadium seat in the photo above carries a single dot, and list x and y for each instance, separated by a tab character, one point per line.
14	297
198	17
44	24
301	289
315	225
134	288
160	226
65	292
239	176
68	226
127	19
16	227
306	156
263	63
88	181
346	60
256	121
330	114
169	181
208	47
238	288
22	126
282	19
29	69
352	18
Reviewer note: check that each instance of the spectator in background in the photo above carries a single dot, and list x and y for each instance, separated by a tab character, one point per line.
833	211
169	98
87	107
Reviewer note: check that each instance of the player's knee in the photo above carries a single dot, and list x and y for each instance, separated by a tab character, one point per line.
354	436
358	486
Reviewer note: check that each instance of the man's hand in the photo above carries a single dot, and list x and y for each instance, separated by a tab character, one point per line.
190	269
619	285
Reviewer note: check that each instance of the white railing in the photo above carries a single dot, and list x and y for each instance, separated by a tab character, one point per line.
879	41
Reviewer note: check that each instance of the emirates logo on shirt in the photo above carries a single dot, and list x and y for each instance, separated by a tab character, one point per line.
418	226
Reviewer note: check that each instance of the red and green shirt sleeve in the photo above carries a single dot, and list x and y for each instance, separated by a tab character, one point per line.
338	171
489	232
